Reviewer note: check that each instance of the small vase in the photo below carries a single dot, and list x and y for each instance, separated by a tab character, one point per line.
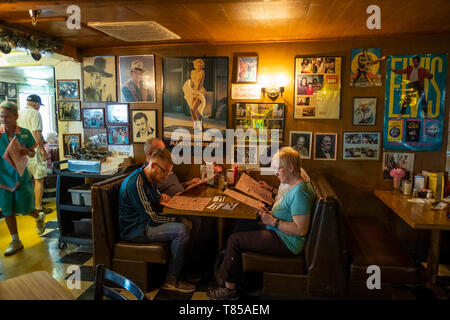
396	183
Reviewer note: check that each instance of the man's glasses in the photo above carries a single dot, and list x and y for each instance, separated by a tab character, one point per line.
163	170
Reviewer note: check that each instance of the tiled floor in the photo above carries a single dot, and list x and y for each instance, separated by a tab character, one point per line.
43	253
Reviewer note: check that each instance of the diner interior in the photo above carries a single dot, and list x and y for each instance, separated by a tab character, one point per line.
369	131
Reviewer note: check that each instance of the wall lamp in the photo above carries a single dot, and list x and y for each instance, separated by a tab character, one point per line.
273	93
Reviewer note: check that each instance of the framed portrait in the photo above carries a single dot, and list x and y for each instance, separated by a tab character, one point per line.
183	107
400	160
118	135
317	88
301	142
143	125
71	141
69	110
117	113
99	79
137	78
325	146
247	69
93	118
11	90
361	146
3	89
68	89
364	111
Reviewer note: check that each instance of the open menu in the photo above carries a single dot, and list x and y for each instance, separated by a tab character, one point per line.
251	187
14	158
243	198
187	203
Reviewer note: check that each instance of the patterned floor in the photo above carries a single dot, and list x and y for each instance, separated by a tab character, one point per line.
43	253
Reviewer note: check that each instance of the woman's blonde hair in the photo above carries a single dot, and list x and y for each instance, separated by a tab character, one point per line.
200	62
286	157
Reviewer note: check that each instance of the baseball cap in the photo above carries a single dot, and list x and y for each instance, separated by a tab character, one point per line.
9	105
34	98
137	65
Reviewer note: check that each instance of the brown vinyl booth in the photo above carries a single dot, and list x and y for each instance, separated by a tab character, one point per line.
132	260
321	270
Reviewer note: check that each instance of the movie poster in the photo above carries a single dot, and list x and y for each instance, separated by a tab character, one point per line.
415	95
365	68
317	88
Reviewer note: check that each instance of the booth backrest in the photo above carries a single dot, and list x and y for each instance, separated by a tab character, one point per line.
326	253
105	205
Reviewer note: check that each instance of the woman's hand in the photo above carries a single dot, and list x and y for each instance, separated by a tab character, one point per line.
265	185
26	152
266	217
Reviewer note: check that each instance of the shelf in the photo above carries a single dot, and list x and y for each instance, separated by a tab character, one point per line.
70	207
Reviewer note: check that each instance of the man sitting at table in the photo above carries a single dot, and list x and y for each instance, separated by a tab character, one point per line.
141	220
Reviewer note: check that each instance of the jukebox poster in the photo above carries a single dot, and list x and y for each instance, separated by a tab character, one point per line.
414	102
317	88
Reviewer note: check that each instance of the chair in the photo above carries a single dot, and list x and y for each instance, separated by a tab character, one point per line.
101	290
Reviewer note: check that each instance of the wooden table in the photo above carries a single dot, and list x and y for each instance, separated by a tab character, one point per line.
242	211
39	285
420	216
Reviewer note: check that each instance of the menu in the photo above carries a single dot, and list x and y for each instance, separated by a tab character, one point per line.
251	187
14	158
187	203
243	198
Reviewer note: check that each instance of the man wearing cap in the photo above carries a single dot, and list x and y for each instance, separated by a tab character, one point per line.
95	91
16	191
30	119
135	90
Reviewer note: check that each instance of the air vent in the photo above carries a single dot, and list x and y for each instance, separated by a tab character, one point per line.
135	31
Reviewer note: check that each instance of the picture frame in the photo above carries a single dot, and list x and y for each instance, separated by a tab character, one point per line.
401	160
3	88
11	90
134	70
99	79
93	118
143	125
365	68
68	89
247	69
117	113
325	148
69	110
301	141
70	142
118	135
361	146
317	89
364	111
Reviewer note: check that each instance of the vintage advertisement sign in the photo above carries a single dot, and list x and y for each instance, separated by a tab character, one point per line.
365	68
317	88
414	102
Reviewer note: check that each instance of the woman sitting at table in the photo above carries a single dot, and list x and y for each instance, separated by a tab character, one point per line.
285	227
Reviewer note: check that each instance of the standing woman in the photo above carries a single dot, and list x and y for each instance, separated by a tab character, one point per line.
16	192
285	230
195	93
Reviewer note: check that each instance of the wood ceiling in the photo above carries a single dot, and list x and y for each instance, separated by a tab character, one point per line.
231	21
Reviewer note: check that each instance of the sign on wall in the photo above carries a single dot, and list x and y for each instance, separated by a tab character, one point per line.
414	102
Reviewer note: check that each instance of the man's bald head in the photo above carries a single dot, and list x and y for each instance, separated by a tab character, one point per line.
151	145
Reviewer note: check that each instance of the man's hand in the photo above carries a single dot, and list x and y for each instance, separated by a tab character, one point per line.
217	168
164	198
187	223
192	181
43	154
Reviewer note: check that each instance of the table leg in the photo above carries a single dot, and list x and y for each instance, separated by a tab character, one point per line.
433	264
220	222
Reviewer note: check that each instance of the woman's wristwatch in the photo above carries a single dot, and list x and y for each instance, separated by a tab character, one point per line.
277	223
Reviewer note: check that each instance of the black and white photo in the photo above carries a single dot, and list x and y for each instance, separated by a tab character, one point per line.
301	142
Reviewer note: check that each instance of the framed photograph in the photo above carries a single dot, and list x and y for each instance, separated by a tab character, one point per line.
393	160
364	111
68	89
247	69
325	146
185	107
137	78
95	138
71	141
361	146
143	125
301	142
3	89
118	135
69	110
11	90
99	79
317	89
93	118
117	113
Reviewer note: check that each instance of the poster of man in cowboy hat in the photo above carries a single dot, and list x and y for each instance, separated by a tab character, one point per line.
137	78
99	79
